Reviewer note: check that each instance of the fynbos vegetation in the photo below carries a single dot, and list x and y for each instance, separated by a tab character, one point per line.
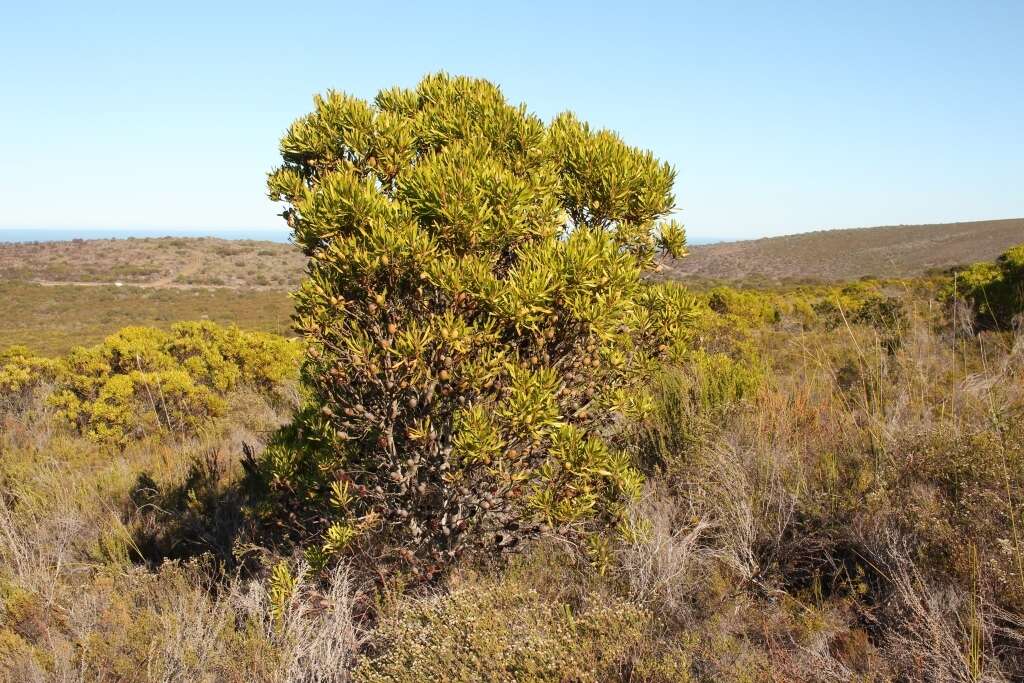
500	453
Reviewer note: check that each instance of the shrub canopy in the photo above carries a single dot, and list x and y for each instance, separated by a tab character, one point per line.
476	318
142	380
994	290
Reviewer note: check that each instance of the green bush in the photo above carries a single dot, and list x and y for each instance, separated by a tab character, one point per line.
142	380
21	374
882	313
132	405
750	308
476	317
223	357
994	290
718	381
838	306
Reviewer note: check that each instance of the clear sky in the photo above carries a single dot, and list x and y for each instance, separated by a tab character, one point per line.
779	117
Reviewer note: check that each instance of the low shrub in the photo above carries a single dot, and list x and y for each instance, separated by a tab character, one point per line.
129	406
718	381
747	307
838	306
959	496
504	632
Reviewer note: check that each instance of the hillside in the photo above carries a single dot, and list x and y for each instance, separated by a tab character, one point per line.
166	262
69	288
835	255
51	319
61	294
823	255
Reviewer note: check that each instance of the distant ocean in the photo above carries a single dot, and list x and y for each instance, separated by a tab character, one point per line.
269	234
61	234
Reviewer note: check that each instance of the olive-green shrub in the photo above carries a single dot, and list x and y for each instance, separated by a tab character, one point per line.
476	318
838	306
747	307
719	381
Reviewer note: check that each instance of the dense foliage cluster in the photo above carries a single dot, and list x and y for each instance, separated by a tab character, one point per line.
745	307
143	380
994	290
476	317
730	316
21	374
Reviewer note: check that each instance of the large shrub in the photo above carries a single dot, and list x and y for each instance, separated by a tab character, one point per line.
476	318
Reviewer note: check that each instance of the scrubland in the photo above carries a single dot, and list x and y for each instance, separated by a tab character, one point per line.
155	261
246	282
78	292
52	319
833	491
848	254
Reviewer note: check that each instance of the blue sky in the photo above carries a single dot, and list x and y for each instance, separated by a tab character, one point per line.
779	117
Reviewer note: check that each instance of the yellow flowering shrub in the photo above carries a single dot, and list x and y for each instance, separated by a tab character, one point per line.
142	380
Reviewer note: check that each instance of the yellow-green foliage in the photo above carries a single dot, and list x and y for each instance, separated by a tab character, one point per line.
139	403
223	357
837	306
729	317
995	290
717	380
143	380
735	312
747	307
281	588
503	632
21	373
476	312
